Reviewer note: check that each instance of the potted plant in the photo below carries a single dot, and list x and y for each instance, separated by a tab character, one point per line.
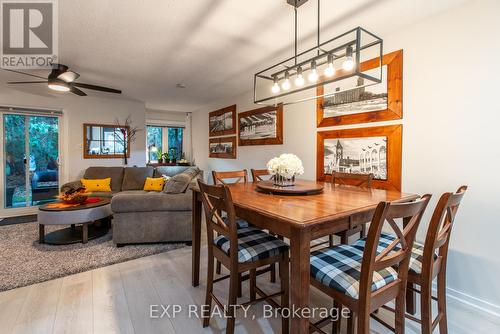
173	155
159	156
166	157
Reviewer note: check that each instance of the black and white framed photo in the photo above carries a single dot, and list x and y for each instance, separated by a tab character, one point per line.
376	150
224	148
263	126
374	103
356	156
222	122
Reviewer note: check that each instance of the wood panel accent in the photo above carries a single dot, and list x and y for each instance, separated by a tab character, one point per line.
278	140
394	135
394	62
232	131
103	156
231	155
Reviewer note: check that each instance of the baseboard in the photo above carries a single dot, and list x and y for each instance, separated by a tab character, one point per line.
475	303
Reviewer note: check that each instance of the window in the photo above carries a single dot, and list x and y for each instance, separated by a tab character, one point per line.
163	138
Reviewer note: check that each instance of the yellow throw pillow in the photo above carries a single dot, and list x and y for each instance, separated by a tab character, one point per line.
97	185
154	184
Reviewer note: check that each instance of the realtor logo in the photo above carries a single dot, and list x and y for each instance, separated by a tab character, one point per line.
29	34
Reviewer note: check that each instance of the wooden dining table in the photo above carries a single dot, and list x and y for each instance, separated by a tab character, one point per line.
300	218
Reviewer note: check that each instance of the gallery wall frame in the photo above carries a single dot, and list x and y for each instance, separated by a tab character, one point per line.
361	150
393	63
222	122
223	148
262	126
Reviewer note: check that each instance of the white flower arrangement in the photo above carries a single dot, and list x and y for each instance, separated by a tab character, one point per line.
286	165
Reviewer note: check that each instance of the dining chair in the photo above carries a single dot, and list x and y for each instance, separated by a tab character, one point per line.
358	180
233	176
239	250
428	261
364	277
229	177
259	175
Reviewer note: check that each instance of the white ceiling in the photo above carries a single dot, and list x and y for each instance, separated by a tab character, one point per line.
146	47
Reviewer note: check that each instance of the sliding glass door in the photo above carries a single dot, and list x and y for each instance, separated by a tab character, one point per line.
31	160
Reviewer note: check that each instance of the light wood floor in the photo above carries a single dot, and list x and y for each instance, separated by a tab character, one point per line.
117	299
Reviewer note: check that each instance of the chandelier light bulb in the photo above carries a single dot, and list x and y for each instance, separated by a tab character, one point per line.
330	69
299	80
276	87
313	76
348	64
286	84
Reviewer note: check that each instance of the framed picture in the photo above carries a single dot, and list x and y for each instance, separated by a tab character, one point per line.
103	141
224	148
374	150
375	103
222	122
263	126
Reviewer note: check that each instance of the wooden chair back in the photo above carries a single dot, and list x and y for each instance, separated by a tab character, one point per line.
396	254
439	231
218	203
358	180
222	177
257	175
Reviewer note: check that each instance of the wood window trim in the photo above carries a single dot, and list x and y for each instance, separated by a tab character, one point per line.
103	156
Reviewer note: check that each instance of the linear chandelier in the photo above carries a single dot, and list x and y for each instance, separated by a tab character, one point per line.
336	65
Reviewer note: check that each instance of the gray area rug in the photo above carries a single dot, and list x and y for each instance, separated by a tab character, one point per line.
23	261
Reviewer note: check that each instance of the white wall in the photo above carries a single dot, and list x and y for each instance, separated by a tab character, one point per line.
164	115
78	110
451	115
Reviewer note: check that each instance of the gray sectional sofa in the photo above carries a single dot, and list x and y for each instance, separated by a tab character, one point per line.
146	216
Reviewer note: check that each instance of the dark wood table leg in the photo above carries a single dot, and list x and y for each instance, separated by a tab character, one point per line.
196	235
85	233
299	281
41	232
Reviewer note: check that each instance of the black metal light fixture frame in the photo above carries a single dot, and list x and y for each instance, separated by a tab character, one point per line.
325	51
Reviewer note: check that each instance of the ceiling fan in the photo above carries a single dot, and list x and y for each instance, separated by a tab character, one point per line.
62	79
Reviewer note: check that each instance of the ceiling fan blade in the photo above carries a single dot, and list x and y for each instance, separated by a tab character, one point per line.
31	75
77	91
100	88
25	82
68	76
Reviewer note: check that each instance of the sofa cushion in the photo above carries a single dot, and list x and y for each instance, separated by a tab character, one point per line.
169	170
134	177
103	194
151	201
154	184
97	185
180	182
115	173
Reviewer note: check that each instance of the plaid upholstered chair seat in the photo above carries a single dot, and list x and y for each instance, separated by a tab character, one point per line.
339	267
386	239
253	244
241	223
